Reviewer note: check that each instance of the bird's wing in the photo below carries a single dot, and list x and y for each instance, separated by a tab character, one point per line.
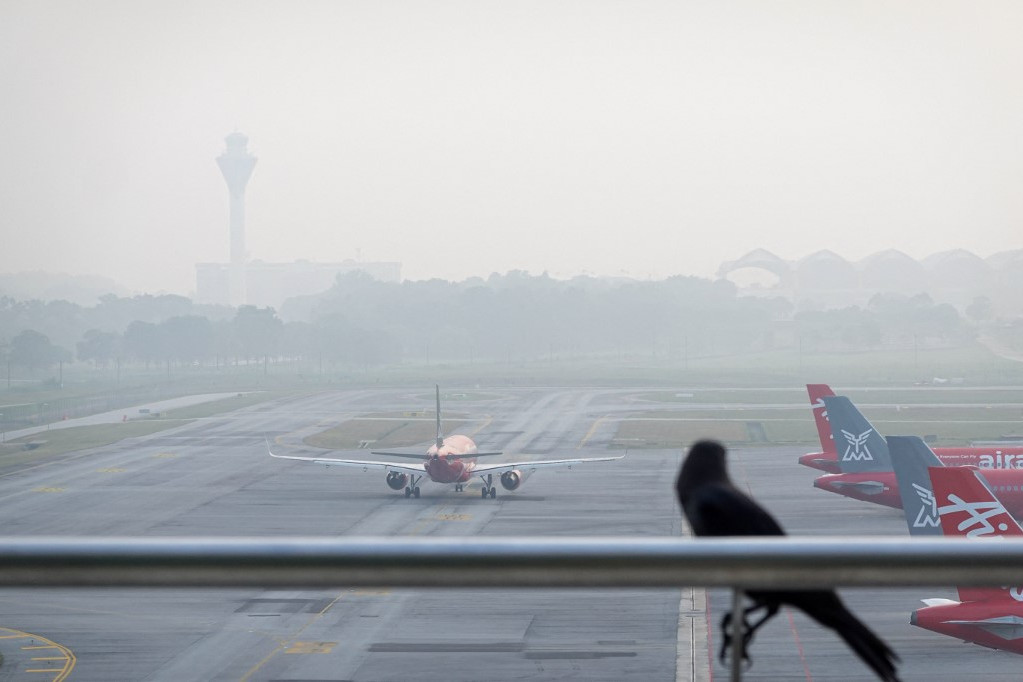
721	510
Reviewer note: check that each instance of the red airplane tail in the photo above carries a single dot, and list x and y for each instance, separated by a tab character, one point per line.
967	507
820	415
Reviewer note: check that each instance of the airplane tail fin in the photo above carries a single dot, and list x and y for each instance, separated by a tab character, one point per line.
911	457
968	507
820	415
860	447
440	433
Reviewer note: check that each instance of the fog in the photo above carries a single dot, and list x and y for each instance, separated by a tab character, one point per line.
460	138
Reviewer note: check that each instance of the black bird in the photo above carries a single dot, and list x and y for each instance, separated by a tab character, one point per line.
715	507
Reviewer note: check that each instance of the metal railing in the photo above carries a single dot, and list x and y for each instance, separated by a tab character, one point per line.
614	562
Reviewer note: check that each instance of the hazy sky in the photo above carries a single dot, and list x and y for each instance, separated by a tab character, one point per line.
462	138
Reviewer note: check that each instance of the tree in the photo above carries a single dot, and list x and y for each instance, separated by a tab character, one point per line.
33	350
143	341
188	338
258	331
99	347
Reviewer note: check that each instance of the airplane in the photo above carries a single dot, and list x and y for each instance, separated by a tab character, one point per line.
827	458
866	463
956	501
448	460
828	461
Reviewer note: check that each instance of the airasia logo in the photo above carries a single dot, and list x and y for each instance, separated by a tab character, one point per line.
819	405
1000	461
977	523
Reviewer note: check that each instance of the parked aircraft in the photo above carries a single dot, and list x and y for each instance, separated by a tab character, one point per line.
1010	457
827	458
448	460
956	501
867	472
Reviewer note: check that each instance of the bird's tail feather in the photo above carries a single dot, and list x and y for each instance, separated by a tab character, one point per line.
868	646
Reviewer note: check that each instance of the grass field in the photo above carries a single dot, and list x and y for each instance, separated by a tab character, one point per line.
768	424
381	432
51	444
973	364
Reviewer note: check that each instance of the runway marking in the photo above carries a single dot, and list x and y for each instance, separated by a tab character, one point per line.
310	648
288	642
48	490
67	655
485	424
799	645
165	454
589	434
109	470
453	517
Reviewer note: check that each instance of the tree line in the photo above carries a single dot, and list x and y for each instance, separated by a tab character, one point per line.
514	316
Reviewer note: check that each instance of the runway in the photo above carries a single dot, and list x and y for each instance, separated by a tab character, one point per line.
212	478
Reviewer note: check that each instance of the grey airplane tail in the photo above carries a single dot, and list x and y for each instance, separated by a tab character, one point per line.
911	457
859	446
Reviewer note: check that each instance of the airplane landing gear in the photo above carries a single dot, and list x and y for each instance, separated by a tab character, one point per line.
413	487
488	487
459	487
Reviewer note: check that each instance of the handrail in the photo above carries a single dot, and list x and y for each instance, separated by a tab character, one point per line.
522	562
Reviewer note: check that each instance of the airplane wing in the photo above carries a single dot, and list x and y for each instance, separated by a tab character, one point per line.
542	463
411	455
421	454
363	464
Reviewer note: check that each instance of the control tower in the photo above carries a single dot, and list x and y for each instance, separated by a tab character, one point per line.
236	164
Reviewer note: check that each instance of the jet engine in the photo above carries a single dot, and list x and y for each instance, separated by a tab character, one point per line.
396	480
512	479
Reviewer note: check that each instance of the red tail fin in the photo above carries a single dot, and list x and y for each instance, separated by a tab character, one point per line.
967	507
820	415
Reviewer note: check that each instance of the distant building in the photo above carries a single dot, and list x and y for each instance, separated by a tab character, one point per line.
242	281
825	279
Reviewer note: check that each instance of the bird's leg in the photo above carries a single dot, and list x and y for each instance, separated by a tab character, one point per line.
746	630
726	634
750	629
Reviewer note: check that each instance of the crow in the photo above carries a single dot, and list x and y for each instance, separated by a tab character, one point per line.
715	507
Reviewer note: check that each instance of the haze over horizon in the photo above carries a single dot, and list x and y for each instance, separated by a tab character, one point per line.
643	139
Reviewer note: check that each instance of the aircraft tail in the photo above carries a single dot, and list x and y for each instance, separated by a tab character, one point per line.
440	433
820	415
860	447
911	457
968	507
